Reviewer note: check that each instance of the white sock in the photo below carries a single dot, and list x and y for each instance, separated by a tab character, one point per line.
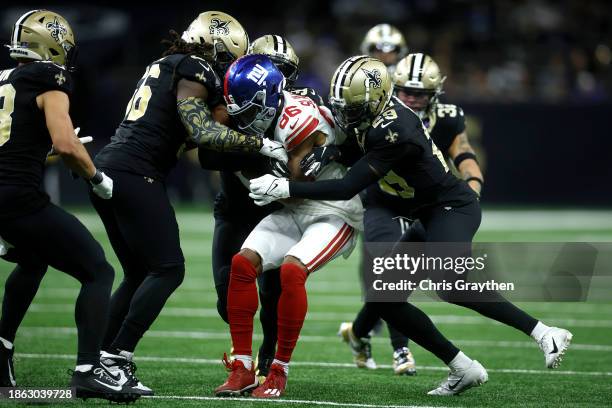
246	360
538	331
129	355
83	368
283	364
460	362
6	343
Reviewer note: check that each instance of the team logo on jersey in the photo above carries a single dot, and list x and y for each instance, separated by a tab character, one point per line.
372	78
219	27
391	136
60	78
258	75
57	30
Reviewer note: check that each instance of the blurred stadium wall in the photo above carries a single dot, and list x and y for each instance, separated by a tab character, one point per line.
533	76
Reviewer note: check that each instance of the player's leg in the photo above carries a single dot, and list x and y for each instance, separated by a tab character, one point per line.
19	291
269	294
460	225
263	249
323	239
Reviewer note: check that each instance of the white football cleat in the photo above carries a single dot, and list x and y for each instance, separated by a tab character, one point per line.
403	362
554	343
361	348
462	380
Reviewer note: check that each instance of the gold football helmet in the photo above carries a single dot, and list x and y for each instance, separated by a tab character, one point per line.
223	32
42	35
385	42
360	89
418	76
281	52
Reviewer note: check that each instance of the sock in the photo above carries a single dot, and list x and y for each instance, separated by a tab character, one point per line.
538	331
292	307
7	344
247	361
282	364
83	368
460	362
242	304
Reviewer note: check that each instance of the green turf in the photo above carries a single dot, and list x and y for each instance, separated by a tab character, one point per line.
189	329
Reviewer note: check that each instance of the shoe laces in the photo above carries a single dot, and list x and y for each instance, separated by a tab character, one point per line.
103	375
401	354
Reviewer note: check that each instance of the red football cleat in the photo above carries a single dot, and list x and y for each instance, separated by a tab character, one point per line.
275	383
239	382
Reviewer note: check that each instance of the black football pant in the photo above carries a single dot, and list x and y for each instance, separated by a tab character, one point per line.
142	228
53	237
444	224
230	232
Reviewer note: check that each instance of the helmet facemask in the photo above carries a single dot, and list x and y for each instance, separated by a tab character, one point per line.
253	117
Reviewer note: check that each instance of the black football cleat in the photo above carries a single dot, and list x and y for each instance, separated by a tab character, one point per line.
122	365
99	383
7	373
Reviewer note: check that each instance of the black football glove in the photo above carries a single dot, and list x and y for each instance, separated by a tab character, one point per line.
279	168
318	158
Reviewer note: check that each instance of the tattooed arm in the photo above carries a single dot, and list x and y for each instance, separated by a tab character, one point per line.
462	153
204	131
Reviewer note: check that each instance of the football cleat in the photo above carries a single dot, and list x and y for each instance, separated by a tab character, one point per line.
240	381
554	343
462	380
275	383
122	367
262	367
361	348
403	362
99	383
7	372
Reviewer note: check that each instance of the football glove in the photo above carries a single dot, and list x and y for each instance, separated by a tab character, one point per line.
268	188
279	169
102	185
274	149
319	157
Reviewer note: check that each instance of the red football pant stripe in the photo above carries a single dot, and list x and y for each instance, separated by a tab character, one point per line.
292	307
242	304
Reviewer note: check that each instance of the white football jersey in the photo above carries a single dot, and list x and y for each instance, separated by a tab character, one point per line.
299	119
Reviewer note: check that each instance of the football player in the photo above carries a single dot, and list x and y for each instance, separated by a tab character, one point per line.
398	150
386	43
299	238
34	104
173	104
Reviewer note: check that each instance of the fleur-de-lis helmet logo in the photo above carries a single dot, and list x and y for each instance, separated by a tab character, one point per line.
57	30
372	78
219	27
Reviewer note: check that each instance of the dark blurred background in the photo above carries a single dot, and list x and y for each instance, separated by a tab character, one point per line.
534	78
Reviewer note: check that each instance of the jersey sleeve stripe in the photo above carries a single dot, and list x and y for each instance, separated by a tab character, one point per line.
304	133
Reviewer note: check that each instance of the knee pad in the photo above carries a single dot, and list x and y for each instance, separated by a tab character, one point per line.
242	269
173	273
292	275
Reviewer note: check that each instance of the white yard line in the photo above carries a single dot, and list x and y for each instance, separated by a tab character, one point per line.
205	361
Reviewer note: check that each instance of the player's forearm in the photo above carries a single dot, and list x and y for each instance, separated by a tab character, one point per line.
470	171
80	162
68	146
206	132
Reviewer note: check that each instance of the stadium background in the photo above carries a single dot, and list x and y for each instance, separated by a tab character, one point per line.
535	79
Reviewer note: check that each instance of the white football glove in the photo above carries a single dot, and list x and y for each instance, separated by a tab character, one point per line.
102	185
268	188
275	150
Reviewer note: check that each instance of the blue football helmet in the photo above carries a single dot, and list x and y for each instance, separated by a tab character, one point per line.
253	89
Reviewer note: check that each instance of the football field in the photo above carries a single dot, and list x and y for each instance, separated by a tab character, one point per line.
180	357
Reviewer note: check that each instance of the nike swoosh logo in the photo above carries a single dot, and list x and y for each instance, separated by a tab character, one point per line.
452	387
385	125
112	387
272	188
555	349
294	124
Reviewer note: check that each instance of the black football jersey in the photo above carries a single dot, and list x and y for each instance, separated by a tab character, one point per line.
419	173
151	135
306	91
444	124
24	138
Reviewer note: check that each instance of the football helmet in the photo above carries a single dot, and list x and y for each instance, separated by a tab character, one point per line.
383	40
223	32
418	83
359	91
43	35
253	89
281	52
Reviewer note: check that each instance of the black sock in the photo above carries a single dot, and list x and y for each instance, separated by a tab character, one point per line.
366	320
398	340
269	293
119	308
503	312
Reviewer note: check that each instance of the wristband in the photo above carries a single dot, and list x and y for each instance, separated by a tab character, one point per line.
97	178
478	179
464	156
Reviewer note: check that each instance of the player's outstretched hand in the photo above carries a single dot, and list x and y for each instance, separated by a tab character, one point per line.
274	149
268	188
318	158
102	185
